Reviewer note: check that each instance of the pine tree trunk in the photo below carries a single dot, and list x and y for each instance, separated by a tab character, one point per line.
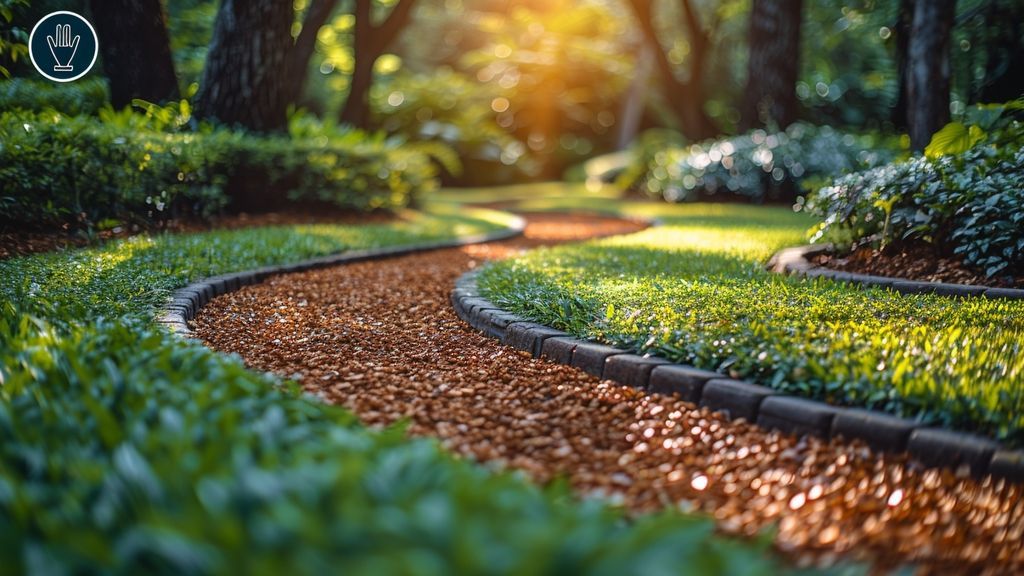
136	50
248	57
928	69
770	98
356	111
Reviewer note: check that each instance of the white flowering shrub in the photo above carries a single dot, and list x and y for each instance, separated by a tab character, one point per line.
761	165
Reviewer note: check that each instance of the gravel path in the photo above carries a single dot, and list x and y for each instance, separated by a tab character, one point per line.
381	338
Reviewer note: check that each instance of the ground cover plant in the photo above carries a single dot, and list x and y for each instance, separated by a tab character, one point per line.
964	195
695	291
124	449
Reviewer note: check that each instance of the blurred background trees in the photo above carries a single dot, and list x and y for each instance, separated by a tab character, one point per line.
525	89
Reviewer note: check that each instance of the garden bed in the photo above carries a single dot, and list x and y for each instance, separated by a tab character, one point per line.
914	262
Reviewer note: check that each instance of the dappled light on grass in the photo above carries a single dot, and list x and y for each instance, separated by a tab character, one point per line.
695	291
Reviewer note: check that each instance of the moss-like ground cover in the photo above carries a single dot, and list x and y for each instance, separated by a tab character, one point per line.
126	450
695	291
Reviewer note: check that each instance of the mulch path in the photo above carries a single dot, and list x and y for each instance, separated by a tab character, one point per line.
381	338
914	262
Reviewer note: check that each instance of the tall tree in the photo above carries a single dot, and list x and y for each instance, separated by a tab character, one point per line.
901	32
249	58
770	97
687	98
928	69
136	50
371	41
305	44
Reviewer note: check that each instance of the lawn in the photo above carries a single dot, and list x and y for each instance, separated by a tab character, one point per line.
695	291
124	449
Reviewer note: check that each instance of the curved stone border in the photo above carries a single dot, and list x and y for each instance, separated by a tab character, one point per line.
796	261
935	447
186	302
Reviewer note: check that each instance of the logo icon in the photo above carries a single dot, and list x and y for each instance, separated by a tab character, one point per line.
63	46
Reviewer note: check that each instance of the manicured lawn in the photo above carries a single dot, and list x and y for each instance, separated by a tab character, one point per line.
695	291
126	450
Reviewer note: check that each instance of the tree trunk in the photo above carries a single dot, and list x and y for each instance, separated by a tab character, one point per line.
248	57
357	106
928	69
316	16
1005	53
371	41
770	98
136	50
902	36
686	98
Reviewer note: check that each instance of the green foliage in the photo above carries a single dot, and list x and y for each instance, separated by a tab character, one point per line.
126	450
85	96
695	291
966	196
145	167
449	108
13	39
759	165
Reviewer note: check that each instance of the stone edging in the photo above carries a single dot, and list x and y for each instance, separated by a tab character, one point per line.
934	447
186	302
796	261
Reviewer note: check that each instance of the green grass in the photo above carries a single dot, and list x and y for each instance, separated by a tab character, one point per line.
124	449
695	291
546	191
135	275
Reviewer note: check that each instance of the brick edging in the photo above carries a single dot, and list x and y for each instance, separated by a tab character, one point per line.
936	447
796	261
186	302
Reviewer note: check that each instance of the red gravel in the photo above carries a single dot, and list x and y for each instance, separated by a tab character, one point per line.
381	338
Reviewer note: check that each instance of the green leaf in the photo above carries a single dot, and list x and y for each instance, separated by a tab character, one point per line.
953	138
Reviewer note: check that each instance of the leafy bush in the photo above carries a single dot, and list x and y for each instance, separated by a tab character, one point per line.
86	96
60	169
141	168
761	165
449	108
966	196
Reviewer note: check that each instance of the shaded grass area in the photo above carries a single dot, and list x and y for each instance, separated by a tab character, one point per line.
695	291
126	450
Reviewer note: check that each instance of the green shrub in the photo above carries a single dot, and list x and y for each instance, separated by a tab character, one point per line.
966	196
450	108
58	169
760	165
86	96
144	168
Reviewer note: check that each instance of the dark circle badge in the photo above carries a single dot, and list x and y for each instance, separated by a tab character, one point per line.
63	46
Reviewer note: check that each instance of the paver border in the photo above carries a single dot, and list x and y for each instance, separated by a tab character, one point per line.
185	303
796	261
768	408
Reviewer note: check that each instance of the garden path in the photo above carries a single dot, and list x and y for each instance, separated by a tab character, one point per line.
381	338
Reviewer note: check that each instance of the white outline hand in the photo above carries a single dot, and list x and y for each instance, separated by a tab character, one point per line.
63	43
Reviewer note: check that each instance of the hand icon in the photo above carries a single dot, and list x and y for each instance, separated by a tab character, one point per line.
63	48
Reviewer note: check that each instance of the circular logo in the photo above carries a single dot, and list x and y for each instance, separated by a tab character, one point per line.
63	46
